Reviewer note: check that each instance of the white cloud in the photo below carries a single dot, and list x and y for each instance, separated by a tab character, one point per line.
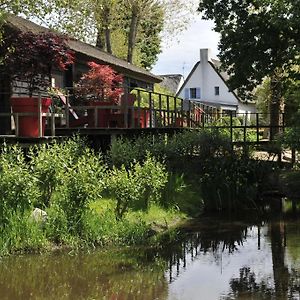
186	52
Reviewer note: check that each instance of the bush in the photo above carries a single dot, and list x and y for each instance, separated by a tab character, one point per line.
204	144
18	188
50	165
136	186
83	183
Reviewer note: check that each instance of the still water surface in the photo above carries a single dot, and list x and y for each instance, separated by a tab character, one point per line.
211	260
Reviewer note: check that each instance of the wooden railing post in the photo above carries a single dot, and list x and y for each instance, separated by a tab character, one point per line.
168	109
40	116
96	116
17	124
150	112
159	107
189	114
245	127
139	108
175	112
67	110
231	125
52	122
257	127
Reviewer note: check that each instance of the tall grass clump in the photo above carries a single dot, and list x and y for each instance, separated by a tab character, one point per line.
135	187
70	175
18	188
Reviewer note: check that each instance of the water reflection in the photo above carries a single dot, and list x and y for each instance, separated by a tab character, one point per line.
212	259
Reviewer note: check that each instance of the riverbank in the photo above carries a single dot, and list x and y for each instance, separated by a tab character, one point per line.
101	230
125	197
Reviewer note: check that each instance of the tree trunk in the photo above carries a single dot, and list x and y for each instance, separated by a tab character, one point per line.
107	24
108	40
275	106
100	42
132	34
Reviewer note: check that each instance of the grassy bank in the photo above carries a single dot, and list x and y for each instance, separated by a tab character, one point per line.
140	187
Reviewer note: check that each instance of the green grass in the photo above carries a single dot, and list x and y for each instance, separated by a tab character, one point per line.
156	215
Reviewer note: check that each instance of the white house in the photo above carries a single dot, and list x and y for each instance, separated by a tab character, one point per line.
207	84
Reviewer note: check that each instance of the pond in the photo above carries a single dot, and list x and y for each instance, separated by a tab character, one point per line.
212	259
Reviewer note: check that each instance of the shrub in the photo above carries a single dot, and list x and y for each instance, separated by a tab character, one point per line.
84	182
136	186
50	165
151	177
18	188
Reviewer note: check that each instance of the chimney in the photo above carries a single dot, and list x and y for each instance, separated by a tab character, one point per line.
205	55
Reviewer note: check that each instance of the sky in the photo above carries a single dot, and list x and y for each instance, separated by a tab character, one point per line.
180	55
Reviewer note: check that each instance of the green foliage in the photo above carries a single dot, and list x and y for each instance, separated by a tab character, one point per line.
51	163
21	234
238	134
136	186
252	45
18	189
204	144
291	138
232	184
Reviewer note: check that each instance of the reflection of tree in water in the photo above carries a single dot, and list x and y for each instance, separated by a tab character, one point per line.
286	283
246	287
213	238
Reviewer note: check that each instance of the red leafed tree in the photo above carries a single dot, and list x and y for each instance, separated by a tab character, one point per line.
100	83
32	57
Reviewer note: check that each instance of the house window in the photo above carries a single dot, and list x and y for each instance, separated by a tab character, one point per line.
192	93
217	91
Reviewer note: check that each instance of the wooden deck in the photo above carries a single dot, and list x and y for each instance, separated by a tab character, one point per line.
140	112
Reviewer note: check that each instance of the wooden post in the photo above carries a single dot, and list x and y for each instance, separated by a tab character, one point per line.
159	105
245	127
175	112
67	111
132	115
40	117
168	110
17	124
189	114
139	108
257	127
231	125
96	116
150	111
52	123
182	114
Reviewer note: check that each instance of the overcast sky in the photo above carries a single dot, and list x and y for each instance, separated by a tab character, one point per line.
180	57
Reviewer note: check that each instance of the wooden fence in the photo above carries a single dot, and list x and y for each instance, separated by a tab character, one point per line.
142	110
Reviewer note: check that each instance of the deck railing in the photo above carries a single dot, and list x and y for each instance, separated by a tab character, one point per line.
143	109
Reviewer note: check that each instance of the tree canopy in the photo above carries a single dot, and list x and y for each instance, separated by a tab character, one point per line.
258	38
130	29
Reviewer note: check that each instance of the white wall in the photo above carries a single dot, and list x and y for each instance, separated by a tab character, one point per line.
206	78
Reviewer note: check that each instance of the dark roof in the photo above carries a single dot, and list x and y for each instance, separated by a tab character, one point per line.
171	82
80	47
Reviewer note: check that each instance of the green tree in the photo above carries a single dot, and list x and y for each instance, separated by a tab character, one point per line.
259	38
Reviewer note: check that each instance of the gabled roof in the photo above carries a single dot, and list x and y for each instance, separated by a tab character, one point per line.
188	78
86	49
216	64
171	82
